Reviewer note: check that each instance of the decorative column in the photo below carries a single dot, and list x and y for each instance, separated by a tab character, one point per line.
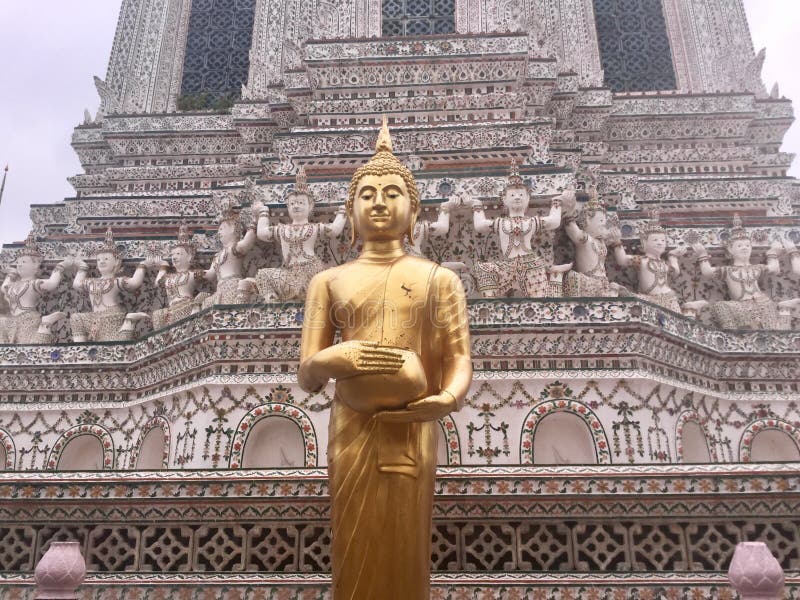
755	573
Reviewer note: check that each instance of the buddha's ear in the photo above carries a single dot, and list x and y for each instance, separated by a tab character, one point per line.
411	226
353	232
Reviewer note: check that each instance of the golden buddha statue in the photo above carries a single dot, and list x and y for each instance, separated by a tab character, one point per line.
402	364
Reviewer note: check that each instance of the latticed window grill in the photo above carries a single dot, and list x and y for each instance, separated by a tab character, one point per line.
418	17
634	45
217	50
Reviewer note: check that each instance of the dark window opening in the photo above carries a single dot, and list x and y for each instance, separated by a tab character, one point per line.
634	45
217	57
408	18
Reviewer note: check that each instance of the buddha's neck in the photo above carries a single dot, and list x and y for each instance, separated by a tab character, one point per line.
382	250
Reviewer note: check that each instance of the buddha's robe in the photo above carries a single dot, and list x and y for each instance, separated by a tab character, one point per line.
382	474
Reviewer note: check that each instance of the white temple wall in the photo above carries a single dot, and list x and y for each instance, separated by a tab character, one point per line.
505	421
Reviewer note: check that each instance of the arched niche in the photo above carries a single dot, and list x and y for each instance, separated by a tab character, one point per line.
441	449
562	438
8	451
774	445
81	453
448	445
695	443
770	440
274	443
152	450
551	424
691	439
250	424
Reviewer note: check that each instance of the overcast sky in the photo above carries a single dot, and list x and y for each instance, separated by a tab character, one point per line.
50	50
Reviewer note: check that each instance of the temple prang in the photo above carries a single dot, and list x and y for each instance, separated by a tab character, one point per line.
604	176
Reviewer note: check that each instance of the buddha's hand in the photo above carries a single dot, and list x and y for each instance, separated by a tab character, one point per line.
430	408
356	357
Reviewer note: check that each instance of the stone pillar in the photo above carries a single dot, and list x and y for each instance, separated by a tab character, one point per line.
60	572
755	573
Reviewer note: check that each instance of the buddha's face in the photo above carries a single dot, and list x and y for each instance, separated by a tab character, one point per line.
597	225
181	259
741	250
655	244
107	264
516	198
27	267
382	208
299	207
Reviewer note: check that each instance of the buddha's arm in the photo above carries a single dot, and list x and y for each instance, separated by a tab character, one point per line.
615	243
318	333
321	360
162	271
481	223
451	315
457	360
622	258
673	263
210	274
10	278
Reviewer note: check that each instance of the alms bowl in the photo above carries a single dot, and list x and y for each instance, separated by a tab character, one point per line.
374	393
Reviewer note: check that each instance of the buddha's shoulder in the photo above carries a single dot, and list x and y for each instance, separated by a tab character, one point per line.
439	275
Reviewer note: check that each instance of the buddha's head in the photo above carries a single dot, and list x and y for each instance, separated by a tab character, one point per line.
383	200
29	259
